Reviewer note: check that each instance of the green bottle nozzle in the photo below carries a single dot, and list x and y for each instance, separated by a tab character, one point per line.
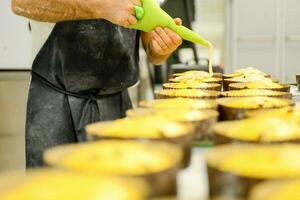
151	16
189	35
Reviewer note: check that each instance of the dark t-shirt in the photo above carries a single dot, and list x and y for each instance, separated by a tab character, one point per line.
90	55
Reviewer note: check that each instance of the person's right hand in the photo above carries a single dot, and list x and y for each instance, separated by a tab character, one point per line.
120	12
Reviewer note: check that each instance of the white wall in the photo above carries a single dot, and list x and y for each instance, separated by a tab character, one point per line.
13	98
15	39
264	34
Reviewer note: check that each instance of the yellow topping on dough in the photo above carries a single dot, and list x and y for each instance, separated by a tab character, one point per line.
265	128
57	185
189	85
115	157
251	78
175	114
194	73
256	161
294	112
252	92
276	190
255	102
179	103
246	71
196	79
140	127
189	93
263	84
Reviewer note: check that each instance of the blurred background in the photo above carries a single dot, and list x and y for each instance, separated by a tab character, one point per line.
259	33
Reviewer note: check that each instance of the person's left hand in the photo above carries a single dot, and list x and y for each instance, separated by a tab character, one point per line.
164	41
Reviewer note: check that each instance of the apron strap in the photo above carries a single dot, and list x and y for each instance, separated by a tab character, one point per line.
44	81
90	112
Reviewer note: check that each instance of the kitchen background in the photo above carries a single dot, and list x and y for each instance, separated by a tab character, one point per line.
261	33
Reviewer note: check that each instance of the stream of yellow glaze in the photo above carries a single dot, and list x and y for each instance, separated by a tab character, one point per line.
210	52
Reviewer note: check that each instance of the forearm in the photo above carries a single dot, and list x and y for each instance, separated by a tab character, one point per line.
53	10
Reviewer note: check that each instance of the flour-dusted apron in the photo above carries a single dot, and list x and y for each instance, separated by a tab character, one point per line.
79	76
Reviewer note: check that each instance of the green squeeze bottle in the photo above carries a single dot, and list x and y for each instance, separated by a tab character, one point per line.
151	16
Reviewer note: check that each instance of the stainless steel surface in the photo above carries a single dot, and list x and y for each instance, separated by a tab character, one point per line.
296	95
193	181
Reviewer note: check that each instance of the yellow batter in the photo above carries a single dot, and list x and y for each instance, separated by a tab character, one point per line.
58	185
198	79
116	157
251	78
175	115
265	128
190	85
276	190
255	102
179	103
189	93
257	161
193	73
246	71
263	84
252	93
139	127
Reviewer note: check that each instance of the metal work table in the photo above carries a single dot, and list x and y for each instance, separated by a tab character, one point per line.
296	95
193	181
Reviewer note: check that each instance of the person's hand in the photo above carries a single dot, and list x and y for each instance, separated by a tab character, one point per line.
120	12
164	41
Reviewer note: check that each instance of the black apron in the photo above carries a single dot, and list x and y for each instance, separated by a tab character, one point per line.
80	76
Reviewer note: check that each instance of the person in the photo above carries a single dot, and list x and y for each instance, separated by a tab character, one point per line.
84	63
